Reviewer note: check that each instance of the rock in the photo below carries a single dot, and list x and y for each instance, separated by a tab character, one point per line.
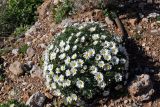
27	66
141	88
132	21
15	52
145	20
30	52
125	101
154	31
43	46
16	68
36	100
36	72
108	21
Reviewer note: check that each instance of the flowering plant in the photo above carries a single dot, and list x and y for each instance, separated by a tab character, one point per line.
82	61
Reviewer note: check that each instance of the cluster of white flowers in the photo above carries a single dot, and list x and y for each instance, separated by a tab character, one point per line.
77	58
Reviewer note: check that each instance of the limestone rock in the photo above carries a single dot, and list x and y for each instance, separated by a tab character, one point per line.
36	100
16	69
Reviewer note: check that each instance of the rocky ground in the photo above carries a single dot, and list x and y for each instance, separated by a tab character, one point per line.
23	71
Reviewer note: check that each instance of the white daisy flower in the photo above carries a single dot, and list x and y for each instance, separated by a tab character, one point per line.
68	82
102	85
51	73
62	50
74	64
121	48
98	57
74	97
101	64
57	92
107	57
115	60
114	51
81	27
78	34
80	84
74	71
86	55
50	67
99	77
93	69
62	44
107	67
53	85
57	70
57	50
67	60
92	29
48	78
67	48
95	36
112	45
104	52
103	37
63	68
56	78
118	77
69	100
74	56
95	42
53	56
60	83
122	60
62	56
80	62
91	52
82	71
106	44
74	48
61	78
85	67
68	73
50	47
82	39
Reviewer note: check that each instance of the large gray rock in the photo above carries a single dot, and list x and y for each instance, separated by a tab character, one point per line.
36	100
141	88
16	68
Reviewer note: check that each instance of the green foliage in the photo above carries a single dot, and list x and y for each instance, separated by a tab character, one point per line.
158	18
23	49
13	103
62	10
17	13
2	77
20	30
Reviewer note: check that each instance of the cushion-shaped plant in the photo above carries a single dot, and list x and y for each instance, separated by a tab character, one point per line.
84	60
